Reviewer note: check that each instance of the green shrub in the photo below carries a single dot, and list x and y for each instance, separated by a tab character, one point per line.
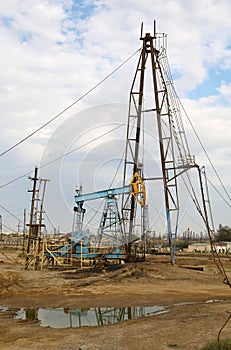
222	345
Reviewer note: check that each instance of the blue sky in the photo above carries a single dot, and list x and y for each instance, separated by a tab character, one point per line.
53	51
215	77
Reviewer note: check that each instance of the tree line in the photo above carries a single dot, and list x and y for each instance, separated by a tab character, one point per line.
224	233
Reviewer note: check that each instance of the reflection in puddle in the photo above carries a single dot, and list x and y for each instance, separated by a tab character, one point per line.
98	316
73	317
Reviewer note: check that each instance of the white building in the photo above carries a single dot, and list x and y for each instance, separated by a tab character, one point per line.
199	248
221	248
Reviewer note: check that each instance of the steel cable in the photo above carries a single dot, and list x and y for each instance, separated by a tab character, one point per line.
71	105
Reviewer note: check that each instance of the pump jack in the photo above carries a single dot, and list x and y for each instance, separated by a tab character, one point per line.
110	222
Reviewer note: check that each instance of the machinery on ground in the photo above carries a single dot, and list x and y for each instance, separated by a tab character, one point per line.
111	224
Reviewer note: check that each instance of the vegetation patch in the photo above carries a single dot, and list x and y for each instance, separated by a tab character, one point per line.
172	346
215	345
8	280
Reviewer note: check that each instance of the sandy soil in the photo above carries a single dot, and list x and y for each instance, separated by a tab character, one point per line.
149	283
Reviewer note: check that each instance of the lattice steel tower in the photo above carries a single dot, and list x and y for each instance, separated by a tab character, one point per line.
170	132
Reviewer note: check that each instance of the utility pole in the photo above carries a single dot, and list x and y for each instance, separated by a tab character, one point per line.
18	231
44	182
35	225
32	228
24	232
1	229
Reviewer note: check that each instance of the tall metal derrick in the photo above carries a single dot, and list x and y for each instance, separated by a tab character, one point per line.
170	132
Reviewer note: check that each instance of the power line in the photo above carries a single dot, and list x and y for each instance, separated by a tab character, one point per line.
11	214
8	228
64	155
50	221
71	105
202	146
54	160
81	146
16	179
214	187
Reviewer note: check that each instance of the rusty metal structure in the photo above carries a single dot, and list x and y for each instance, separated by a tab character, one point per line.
166	115
34	238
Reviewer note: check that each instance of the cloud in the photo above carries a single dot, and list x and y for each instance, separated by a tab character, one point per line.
52	52
225	91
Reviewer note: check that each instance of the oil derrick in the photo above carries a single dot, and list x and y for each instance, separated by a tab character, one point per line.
34	239
166	116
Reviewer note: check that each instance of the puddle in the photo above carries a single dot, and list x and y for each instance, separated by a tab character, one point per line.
98	316
73	317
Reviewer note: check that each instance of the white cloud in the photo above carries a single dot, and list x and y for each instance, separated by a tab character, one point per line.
52	52
225	91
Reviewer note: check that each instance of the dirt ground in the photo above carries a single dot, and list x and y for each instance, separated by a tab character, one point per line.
198	304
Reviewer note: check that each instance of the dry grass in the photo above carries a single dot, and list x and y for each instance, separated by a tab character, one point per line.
8	279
